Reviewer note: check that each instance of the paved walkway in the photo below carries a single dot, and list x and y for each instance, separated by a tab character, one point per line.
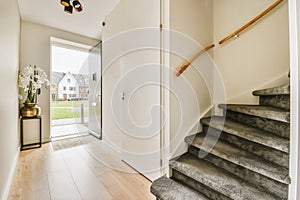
66	127
59	122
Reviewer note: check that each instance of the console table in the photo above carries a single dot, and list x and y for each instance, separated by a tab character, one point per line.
31	132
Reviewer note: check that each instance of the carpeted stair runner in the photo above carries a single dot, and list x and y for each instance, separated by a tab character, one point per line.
168	189
241	155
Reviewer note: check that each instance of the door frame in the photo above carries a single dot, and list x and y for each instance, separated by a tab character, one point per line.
68	44
294	20
164	82
101	96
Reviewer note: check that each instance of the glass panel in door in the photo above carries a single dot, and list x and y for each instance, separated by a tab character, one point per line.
95	86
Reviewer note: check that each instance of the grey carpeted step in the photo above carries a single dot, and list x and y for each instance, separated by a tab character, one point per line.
278	97
247	132
239	157
216	178
279	128
280	90
259	111
275	156
261	182
277	101
168	189
207	191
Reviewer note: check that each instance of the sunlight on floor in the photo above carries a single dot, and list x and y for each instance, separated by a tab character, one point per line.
92	170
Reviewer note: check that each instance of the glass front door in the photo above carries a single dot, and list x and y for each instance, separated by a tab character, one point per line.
95	85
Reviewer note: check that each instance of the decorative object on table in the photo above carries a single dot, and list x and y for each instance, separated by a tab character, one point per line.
30	110
31	80
70	4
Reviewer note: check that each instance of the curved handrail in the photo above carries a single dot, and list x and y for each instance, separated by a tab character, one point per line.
184	67
251	22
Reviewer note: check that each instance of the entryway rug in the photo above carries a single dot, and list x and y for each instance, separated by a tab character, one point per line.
72	142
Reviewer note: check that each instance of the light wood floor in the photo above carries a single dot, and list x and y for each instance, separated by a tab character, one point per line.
88	172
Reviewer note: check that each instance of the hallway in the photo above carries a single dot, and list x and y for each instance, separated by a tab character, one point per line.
90	171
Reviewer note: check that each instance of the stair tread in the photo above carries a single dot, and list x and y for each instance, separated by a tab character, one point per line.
239	157
248	132
259	111
280	90
217	178
167	189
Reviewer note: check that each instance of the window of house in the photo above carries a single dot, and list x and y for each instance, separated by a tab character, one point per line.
64	88
71	88
74	88
69	80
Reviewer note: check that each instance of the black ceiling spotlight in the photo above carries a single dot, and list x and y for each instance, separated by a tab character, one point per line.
69	9
77	5
69	4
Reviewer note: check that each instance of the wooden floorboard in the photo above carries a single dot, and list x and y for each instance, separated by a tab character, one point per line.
89	172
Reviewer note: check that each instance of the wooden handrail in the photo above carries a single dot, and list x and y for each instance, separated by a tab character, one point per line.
251	22
184	67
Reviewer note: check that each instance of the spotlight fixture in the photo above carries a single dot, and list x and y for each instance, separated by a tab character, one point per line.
69	9
76	4
69	4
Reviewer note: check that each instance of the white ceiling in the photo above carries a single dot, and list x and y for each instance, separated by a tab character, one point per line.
51	13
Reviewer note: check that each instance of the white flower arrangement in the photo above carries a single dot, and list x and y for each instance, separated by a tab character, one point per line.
31	80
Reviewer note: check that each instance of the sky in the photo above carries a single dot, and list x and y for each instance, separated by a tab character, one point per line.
67	60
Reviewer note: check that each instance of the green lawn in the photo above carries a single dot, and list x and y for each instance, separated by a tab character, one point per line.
68	109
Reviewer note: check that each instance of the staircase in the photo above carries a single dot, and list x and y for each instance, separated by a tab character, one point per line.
250	159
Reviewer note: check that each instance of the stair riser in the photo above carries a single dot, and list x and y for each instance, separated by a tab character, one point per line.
273	155
277	101
212	194
279	128
259	181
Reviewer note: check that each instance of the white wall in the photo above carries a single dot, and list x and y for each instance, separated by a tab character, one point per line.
111	73
36	50
9	64
193	20
259	56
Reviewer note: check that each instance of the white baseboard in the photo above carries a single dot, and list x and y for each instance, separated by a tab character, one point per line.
11	176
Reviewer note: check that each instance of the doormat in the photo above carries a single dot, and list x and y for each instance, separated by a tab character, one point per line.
72	142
